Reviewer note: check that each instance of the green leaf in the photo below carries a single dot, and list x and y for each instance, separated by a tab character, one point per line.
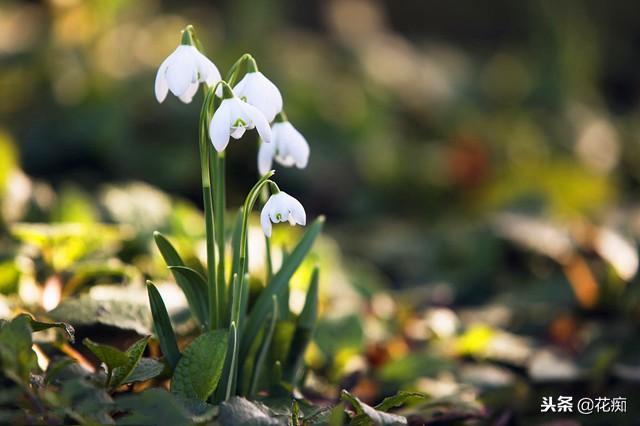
196	293
240	411
399	399
39	326
336	418
163	327
295	414
85	403
264	348
200	367
134	353
112	357
262	305
146	369
123	314
304	331
229	371
152	407
190	282
17	359
365	414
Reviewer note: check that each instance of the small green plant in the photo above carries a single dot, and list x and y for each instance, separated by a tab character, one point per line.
236	352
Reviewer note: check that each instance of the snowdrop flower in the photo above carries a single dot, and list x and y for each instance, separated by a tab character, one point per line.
287	146
281	207
259	91
184	70
233	117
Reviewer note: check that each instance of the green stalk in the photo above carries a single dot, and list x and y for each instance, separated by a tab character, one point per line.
264	196
219	206
205	150
246	212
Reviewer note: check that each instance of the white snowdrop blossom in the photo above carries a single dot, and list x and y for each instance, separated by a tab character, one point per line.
281	207
287	146
182	72
232	118
259	91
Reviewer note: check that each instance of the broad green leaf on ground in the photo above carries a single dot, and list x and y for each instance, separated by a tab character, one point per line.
146	369
134	353
366	414
39	326
406	369
198	371
85	403
400	399
263	305
122	314
17	358
152	407
240	411
112	357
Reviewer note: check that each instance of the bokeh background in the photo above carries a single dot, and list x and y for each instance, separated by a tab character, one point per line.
478	163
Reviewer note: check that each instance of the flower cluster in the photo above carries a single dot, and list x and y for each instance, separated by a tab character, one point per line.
252	102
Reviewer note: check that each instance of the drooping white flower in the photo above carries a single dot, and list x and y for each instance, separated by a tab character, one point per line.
259	91
183	71
287	146
232	118
281	207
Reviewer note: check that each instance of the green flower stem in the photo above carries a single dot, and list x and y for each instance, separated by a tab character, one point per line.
219	207
238	281
205	150
246	211
234	72
264	196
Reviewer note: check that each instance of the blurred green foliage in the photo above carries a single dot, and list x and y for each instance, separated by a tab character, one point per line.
427	122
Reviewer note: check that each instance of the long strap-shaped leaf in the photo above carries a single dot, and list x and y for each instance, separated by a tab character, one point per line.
199	286
163	327
264	302
304	331
264	348
192	288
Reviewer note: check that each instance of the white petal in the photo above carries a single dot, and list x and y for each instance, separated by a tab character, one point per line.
208	71
265	157
280	209
260	92
238	132
161	86
220	127
187	96
264	220
181	70
258	120
298	147
297	210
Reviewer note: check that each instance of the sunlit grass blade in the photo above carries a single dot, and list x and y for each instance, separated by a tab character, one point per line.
262	305
264	348
191	287
197	290
163	327
304	331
